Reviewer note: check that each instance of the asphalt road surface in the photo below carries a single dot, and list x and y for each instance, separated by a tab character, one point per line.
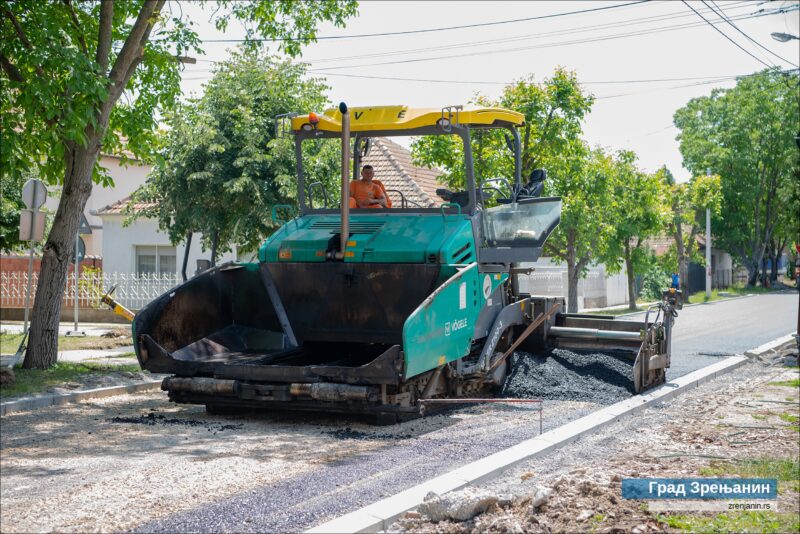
702	335
138	462
704	332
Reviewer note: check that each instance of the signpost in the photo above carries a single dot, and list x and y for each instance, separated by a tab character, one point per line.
77	258
31	228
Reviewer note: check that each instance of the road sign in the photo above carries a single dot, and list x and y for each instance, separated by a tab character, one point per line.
34	193
84	227
31	225
81	251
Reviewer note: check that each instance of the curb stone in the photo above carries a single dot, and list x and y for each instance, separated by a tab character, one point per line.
770	346
55	399
380	515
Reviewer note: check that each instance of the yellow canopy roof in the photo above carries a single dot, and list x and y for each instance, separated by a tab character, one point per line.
377	118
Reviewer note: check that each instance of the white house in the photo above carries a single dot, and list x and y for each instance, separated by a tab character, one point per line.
141	248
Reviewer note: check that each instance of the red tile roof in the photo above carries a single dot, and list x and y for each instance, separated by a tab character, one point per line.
118	207
395	170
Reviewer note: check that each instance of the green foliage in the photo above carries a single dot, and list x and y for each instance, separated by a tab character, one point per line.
746	135
10	206
55	83
553	110
654	279
222	168
637	213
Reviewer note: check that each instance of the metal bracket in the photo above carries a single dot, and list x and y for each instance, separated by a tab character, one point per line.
446	122
277	304
280	124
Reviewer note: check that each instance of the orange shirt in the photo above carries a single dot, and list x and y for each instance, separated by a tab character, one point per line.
361	191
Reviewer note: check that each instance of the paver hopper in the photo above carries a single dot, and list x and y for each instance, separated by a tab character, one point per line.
371	310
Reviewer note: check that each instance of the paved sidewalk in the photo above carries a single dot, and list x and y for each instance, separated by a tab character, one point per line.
107	356
91	329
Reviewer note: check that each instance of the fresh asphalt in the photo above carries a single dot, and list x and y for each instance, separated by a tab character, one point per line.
702	335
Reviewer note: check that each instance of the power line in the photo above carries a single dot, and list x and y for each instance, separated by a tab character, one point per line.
430	30
725	35
599	82
535	47
724	17
540	35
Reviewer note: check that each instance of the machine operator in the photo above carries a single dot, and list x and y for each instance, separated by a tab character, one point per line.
368	193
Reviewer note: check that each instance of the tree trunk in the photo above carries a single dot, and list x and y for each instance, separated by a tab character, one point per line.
752	273
214	245
683	268
631	277
43	342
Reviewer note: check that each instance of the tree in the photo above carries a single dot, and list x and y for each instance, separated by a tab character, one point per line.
222	167
553	112
65	68
687	203
583	178
637	214
746	135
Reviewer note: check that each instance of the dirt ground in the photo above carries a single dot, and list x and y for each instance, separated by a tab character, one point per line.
744	416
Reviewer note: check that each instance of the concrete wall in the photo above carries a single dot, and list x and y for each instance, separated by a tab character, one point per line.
119	245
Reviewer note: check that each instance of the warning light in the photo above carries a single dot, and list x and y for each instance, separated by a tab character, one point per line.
313	118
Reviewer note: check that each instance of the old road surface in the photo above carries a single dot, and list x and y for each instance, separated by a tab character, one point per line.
139	463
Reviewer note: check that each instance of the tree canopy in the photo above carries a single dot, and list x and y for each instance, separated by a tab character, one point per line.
222	167
746	135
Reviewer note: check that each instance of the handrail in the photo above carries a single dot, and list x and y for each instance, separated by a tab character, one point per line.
311	197
450	205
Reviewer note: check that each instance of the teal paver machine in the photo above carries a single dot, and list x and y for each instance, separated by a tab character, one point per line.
377	311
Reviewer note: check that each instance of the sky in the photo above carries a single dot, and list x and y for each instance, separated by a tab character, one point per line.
616	53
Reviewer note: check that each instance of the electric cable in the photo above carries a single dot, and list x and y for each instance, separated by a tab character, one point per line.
431	30
726	35
724	17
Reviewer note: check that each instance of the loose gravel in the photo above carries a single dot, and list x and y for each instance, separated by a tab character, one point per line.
565	375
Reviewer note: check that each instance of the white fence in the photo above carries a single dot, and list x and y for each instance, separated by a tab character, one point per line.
597	290
133	291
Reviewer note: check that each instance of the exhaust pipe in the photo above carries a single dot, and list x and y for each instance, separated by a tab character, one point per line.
345	230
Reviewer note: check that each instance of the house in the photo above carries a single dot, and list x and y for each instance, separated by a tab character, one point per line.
722	269
141	248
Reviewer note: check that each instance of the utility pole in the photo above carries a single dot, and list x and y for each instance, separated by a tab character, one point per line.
708	247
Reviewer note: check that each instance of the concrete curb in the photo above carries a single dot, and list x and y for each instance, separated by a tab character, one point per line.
770	346
54	399
380	515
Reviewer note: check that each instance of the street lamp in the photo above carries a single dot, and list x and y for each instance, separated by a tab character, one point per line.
784	37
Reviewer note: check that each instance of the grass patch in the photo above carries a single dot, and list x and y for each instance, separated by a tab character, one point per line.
771	522
9	343
785	470
789	418
30	381
758	416
733	291
787	383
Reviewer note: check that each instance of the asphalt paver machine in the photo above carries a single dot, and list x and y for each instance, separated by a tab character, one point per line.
373	310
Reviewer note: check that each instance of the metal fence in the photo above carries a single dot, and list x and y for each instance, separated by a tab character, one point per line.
133	290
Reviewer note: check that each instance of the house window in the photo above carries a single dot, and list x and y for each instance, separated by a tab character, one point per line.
155	259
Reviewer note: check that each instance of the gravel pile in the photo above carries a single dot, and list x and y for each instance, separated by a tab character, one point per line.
566	375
